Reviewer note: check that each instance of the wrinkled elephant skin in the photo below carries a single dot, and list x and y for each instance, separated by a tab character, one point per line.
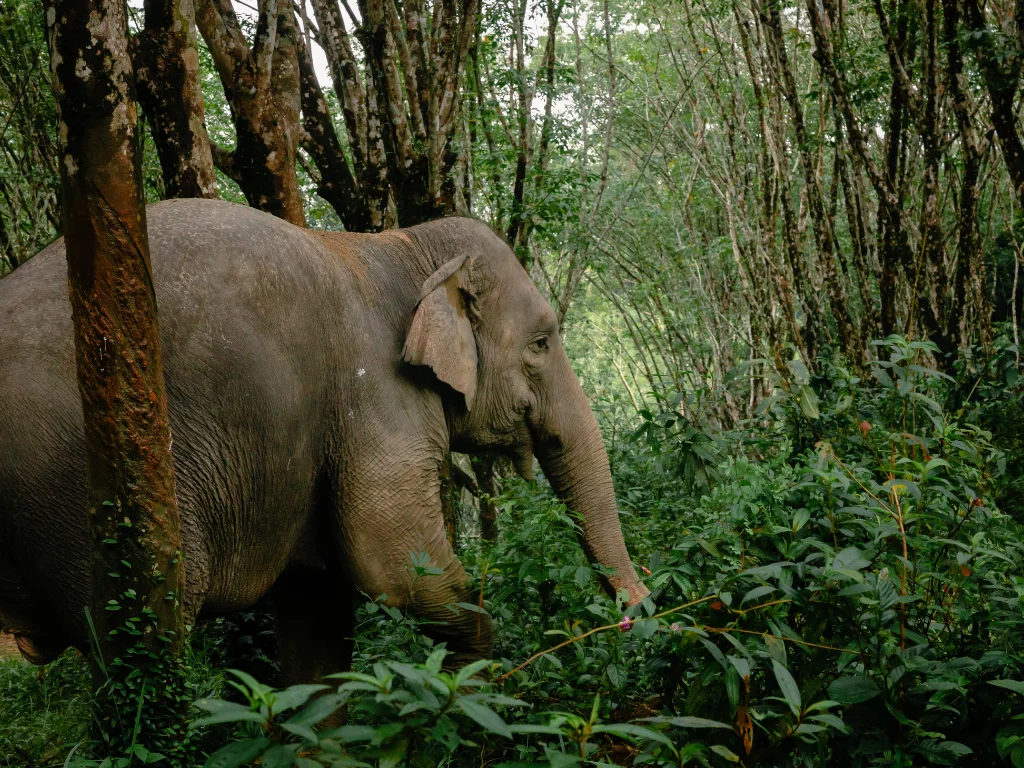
315	383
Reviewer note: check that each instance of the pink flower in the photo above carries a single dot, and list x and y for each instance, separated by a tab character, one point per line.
626	624
676	628
646	570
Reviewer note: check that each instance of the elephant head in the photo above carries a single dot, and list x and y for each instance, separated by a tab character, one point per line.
485	330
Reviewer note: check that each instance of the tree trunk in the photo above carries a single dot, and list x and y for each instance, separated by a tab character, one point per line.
167	75
400	104
846	326
137	569
485	468
262	87
968	292
1001	66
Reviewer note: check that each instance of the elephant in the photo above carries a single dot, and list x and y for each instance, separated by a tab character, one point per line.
315	382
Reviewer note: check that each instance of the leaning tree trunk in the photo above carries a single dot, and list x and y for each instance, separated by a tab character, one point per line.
167	74
137	572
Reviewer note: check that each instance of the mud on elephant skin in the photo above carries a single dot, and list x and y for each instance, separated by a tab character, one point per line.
315	382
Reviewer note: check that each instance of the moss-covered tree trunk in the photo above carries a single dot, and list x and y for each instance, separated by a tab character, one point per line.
137	569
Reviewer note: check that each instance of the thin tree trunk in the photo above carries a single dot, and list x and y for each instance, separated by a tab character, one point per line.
847	330
138	574
1001	81
337	185
968	293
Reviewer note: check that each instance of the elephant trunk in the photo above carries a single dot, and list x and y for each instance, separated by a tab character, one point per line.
571	452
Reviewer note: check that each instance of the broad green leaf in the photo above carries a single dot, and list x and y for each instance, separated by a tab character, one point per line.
238	753
1010	685
487	718
790	690
294	696
471	669
278	757
629	730
251	682
318	710
757	592
349	734
244	716
725	752
854	689
807	399
688	722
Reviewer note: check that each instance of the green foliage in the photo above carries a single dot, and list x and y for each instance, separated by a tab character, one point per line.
43	711
841	589
852	596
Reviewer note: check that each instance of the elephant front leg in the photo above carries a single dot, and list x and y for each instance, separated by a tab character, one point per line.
387	525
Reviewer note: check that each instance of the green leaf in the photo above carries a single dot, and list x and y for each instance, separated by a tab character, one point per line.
225	712
955	747
628	730
790	690
757	592
688	722
294	696
318	710
615	675
830	720
279	757
725	752
807	399
238	753
487	718
349	734
550	730
469	670
854	689
472	607
302	731
582	576
1010	685
850	559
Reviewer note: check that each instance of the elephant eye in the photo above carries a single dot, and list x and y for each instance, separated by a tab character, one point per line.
539	345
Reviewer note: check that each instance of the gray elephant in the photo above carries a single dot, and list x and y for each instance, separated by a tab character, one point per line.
315	383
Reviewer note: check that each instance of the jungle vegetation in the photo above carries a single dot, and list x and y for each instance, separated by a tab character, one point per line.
784	244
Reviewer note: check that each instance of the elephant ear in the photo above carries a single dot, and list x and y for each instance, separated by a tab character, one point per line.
441	334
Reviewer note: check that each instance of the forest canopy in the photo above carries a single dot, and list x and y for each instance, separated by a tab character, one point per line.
783	245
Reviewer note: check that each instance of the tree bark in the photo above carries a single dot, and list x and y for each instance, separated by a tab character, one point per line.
846	327
262	87
1001	71
337	185
137	569
401	107
168	80
968	295
485	468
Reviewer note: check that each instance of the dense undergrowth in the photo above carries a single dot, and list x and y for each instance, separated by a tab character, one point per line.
839	582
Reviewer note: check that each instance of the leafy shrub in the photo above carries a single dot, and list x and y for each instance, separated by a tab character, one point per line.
840	587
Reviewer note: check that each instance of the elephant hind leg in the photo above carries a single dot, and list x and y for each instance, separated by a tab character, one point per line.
314	614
